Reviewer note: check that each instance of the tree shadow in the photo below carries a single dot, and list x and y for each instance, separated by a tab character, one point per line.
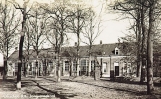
49	79
57	92
26	83
129	90
128	81
8	84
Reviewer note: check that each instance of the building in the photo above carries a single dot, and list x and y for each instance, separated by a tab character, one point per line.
1	59
1	63
109	57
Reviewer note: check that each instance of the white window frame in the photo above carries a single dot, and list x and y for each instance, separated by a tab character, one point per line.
66	65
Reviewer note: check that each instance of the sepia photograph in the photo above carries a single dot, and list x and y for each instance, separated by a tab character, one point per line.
80	49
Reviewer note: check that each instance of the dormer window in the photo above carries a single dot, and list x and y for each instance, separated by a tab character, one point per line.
116	51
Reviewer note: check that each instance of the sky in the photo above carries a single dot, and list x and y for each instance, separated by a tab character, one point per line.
112	28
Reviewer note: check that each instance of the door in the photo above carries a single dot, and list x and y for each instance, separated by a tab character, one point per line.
66	69
104	68
116	70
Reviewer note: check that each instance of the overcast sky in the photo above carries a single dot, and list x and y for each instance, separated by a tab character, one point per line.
112	28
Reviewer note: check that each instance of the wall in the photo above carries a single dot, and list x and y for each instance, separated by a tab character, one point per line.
1	60
111	61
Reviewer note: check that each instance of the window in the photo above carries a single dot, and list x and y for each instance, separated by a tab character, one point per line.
116	65
116	51
126	68
83	65
104	68
30	66
22	67
74	66
129	68
50	65
16	67
66	65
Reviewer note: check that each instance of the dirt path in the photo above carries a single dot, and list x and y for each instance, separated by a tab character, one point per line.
90	89
47	88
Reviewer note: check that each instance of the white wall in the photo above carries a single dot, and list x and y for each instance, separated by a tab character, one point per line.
1	60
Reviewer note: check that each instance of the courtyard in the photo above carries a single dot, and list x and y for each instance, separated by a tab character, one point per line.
82	87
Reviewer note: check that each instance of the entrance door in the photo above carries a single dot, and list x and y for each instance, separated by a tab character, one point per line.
116	70
104	68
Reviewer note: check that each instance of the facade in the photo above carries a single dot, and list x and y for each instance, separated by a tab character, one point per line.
109	58
1	59
1	63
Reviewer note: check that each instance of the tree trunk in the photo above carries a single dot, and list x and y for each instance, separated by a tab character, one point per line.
25	69
36	67
138	28
45	68
78	68
77	58
78	38
143	46
5	69
20	61
89	66
150	85
21	46
96	70
71	68
143	73
59	69
55	67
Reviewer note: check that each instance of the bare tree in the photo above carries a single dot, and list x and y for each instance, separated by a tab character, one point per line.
147	13
58	16
76	24
91	31
27	47
22	35
153	9
133	9
37	27
8	26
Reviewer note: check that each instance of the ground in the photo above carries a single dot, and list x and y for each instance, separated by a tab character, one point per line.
76	88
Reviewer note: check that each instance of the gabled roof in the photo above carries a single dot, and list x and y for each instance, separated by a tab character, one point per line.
98	50
32	54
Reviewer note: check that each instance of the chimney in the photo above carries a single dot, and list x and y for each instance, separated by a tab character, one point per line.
100	41
75	44
16	48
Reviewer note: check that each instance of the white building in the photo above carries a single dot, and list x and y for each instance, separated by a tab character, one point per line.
1	59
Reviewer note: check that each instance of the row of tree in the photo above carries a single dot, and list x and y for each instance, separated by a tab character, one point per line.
37	23
145	15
